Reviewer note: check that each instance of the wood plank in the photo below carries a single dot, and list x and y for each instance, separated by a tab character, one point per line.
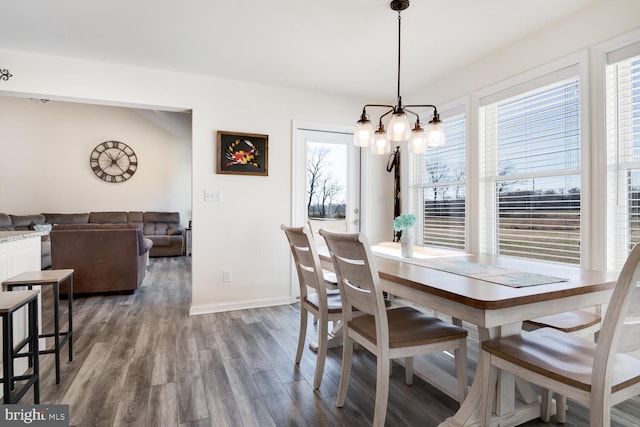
141	360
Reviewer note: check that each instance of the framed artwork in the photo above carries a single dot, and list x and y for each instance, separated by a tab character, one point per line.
242	153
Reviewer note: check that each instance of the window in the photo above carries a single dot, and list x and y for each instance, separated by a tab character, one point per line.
530	167
438	190
623	153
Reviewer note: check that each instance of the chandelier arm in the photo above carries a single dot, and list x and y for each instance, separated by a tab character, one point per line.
435	109
388	112
377	105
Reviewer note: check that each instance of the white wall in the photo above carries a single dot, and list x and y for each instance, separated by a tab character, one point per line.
241	233
45	165
593	25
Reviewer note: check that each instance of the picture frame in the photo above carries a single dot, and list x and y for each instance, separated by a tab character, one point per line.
241	153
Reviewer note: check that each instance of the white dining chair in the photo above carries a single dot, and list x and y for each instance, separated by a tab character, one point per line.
599	375
583	323
325	305
389	334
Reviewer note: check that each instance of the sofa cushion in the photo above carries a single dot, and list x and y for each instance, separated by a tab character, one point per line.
135	217
166	217
58	218
108	217
160	240
5	223
26	222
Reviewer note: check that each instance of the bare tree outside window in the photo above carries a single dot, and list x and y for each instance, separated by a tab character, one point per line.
325	194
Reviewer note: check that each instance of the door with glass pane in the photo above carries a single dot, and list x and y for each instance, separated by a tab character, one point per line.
327	179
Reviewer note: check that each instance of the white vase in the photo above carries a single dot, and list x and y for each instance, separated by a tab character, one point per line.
407	241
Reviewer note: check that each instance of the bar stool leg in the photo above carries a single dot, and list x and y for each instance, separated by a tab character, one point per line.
70	312
56	329
33	331
6	359
12	383
29	360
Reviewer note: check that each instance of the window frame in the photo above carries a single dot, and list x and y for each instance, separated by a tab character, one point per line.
485	208
450	109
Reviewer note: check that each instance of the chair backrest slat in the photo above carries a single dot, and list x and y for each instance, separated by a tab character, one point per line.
307	262
358	278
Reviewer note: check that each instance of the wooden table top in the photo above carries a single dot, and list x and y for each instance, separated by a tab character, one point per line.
39	277
9	301
478	293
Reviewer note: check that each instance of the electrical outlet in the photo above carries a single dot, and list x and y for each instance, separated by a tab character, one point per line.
226	276
212	196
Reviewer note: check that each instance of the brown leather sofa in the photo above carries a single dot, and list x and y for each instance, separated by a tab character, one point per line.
163	228
105	257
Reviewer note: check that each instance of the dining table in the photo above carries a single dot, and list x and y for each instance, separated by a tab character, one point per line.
496	293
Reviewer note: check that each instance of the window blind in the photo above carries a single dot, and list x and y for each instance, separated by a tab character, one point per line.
623	155
437	184
531	170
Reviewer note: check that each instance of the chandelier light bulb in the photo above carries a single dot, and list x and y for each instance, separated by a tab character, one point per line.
363	134
435	134
399	127
417	139
381	144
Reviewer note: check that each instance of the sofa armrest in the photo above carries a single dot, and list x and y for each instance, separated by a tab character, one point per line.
174	231
148	243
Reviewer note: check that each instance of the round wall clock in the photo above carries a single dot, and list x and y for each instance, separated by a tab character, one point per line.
113	161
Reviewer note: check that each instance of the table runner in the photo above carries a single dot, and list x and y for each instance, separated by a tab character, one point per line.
487	273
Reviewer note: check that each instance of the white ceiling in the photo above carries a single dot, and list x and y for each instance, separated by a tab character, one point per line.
337	46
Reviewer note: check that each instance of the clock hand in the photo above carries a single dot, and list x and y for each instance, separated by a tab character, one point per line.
120	154
120	168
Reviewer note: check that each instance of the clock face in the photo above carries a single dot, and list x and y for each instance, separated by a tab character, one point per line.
113	161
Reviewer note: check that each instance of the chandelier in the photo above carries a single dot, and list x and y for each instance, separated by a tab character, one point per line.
399	128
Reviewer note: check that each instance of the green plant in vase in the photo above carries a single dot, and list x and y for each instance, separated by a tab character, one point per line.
404	223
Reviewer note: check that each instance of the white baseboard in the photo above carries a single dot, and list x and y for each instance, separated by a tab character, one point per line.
196	310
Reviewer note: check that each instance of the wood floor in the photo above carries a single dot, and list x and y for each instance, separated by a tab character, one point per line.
141	360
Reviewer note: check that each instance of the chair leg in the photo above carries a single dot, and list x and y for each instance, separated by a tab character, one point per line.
408	370
561	408
600	412
382	389
303	333
460	355
323	333
545	410
345	371
489	382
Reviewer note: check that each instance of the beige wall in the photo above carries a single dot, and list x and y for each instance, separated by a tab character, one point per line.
45	165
